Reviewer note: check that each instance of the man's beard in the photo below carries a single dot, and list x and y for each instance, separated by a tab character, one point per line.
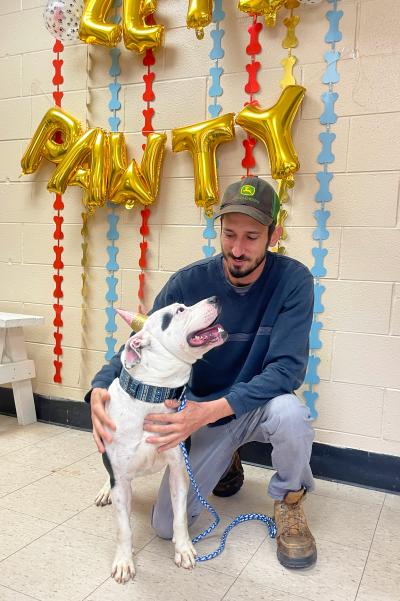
239	272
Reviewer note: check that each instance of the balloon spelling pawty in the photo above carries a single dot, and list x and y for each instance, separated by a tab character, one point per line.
202	140
265	8
273	126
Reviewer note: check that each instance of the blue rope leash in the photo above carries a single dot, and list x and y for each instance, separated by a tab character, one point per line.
243	517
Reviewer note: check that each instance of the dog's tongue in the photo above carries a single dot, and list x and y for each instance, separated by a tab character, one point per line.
215	333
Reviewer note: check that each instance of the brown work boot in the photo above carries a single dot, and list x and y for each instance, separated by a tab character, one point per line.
231	482
295	543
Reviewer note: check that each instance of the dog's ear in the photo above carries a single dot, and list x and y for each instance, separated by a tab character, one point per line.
133	348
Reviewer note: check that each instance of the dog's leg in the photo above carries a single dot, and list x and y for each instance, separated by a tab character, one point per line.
185	553
104	495
123	568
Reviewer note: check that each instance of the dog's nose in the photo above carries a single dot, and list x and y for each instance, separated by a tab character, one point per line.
213	300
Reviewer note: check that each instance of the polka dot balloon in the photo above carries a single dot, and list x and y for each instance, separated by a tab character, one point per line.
61	18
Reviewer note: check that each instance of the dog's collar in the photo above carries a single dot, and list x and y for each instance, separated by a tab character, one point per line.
145	392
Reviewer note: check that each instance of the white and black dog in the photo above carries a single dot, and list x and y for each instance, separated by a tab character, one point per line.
156	364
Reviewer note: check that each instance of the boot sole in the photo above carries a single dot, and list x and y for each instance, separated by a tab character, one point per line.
296	563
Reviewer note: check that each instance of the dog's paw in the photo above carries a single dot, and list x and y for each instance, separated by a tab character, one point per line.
103	496
185	555
123	570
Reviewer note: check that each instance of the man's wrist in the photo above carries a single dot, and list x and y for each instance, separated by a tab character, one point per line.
218	409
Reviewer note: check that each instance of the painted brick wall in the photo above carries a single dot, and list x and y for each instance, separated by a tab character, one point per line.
359	403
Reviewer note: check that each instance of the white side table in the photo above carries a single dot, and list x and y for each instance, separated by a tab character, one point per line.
15	367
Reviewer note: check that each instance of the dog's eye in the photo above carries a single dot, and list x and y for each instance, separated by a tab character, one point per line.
180	309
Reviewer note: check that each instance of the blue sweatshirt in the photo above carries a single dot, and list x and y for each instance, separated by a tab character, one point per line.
268	324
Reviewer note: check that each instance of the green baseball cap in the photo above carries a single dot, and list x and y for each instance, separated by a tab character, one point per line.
252	196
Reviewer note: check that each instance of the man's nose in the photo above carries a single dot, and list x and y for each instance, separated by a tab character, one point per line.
237	249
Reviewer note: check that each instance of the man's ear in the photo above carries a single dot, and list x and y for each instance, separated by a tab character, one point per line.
133	348
277	233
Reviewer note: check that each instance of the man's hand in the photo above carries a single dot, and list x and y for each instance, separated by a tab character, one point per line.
172	428
100	419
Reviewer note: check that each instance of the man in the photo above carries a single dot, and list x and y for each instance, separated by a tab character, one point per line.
242	391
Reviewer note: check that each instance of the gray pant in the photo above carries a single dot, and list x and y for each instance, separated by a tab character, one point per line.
283	421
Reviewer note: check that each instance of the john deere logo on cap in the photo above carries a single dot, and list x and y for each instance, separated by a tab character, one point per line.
247	190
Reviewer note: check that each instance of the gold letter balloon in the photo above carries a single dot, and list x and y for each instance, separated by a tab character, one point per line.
94	28
138	35
44	144
199	15
129	183
202	140
273	126
87	165
266	8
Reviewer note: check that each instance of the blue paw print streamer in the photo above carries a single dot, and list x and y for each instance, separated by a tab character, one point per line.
214	109
324	178
243	517
112	235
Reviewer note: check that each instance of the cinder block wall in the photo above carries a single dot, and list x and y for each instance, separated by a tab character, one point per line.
359	402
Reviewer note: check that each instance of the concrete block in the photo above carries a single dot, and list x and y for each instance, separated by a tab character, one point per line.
352	306
370	254
12	273
186	56
308	145
10	6
186	108
349	408
16	118
378	32
154	281
38	70
17	29
391	415
366	359
10	74
180	246
10	157
381	155
11	242
299	244
395	314
368	85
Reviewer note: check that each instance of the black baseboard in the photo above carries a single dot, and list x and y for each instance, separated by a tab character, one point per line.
350	466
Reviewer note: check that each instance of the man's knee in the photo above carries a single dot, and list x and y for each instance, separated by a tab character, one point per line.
162	527
288	413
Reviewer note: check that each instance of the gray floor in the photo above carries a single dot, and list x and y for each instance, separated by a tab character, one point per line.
56	545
